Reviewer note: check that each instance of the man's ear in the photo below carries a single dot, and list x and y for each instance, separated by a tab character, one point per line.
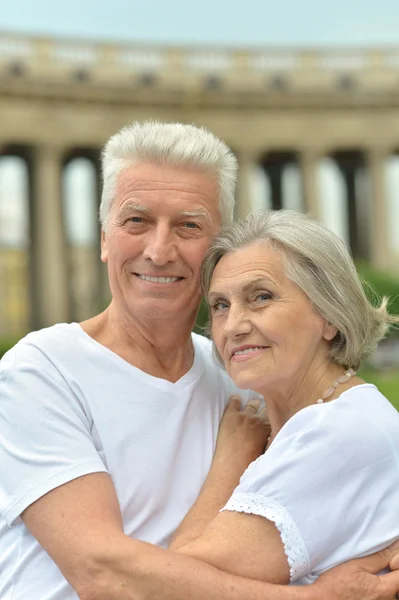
104	246
329	332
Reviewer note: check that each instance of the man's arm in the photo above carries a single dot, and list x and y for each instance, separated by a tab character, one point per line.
79	525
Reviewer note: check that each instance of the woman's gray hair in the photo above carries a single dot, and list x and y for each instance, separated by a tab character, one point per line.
175	144
320	263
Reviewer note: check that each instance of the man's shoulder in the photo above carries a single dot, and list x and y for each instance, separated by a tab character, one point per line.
38	344
204	347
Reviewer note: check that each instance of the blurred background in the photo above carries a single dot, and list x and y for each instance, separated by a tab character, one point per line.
306	94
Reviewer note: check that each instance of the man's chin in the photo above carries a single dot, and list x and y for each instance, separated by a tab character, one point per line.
164	308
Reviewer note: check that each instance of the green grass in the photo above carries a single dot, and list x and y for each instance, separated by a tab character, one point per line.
387	383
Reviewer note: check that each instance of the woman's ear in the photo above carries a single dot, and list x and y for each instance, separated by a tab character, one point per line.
329	332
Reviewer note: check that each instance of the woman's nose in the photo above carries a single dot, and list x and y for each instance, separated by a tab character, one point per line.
238	322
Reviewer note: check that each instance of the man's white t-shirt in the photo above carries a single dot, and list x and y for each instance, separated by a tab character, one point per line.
70	407
329	482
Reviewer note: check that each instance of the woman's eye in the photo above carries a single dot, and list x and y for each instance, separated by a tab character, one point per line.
217	306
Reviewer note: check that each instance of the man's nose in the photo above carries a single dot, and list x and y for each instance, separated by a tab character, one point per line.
161	245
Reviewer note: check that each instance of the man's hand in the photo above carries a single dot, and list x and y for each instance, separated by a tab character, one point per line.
356	580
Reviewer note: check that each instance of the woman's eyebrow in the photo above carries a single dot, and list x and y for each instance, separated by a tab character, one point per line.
251	284
213	295
258	281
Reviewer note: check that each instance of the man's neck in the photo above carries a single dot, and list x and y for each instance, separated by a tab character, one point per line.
161	348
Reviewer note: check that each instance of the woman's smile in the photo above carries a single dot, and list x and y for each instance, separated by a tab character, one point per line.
247	352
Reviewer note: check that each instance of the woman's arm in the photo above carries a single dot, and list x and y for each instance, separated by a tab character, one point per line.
242	544
242	438
297	501
79	525
159	576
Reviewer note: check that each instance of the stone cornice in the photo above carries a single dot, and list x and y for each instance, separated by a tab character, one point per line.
198	76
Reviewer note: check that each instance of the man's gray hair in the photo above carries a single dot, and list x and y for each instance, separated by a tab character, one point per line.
175	144
320	263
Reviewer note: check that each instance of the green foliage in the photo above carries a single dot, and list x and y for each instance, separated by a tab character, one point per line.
378	284
202	318
5	345
387	383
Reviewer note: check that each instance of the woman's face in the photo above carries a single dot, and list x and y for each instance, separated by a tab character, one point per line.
263	325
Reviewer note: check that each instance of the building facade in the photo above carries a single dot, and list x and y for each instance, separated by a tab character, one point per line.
62	99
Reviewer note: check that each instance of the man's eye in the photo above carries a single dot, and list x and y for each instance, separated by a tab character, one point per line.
135	219
190	225
263	296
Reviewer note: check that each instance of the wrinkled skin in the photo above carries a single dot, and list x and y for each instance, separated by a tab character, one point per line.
355	580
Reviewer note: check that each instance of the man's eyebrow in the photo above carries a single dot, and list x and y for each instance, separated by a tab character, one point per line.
132	206
196	213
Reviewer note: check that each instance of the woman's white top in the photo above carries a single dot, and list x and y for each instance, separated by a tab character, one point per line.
329	482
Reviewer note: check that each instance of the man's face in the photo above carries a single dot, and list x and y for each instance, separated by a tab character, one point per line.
160	225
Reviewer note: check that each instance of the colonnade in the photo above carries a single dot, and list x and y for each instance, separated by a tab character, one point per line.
61	99
371	244
49	276
50	269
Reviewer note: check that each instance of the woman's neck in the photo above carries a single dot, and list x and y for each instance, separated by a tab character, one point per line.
285	400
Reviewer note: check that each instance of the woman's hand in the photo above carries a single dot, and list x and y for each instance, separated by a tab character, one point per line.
242	437
243	432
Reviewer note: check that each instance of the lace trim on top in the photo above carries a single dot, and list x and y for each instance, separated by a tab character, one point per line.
294	547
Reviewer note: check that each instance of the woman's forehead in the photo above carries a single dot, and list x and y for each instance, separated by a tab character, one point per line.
249	264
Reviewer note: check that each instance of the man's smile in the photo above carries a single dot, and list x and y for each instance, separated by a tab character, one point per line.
155	279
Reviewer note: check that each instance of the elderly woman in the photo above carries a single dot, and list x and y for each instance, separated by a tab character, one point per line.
290	320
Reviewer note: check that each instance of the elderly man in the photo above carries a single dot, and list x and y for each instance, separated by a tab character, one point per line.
108	428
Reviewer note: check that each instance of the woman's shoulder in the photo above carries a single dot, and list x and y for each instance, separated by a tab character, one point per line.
360	420
362	402
355	434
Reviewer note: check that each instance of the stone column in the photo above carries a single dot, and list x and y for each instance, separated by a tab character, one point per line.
349	163
379	217
50	281
104	291
275	174
247	162
308	162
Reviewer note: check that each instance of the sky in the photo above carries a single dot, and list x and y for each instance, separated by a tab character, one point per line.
225	22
